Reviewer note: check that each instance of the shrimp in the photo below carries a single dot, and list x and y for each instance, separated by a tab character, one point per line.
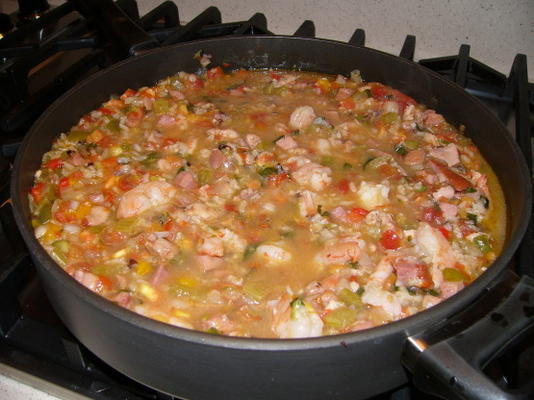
302	117
207	263
252	140
144	197
341	252
448	153
222	134
372	195
307	205
162	248
376	296
273	254
313	175
212	246
286	143
434	245
97	216
299	320
89	280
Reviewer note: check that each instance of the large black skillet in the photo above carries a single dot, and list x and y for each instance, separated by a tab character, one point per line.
198	365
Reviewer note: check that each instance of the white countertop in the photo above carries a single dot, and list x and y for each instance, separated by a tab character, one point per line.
496	30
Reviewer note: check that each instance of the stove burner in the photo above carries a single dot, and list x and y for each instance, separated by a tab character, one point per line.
5	25
30	10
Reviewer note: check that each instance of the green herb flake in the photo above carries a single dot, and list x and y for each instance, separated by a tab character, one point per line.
483	243
472	217
400	149
267	171
453	275
250	250
470	190
321	212
366	163
347	166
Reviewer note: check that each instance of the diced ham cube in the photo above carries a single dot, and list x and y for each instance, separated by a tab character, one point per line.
185	180
286	143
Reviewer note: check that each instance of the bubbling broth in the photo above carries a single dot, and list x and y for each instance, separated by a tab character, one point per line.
273	204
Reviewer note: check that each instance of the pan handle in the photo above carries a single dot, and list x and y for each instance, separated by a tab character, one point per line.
452	367
126	38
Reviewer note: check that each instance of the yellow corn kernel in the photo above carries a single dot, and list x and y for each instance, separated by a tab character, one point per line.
180	314
148	291
52	232
115	151
94	136
186	244
143	268
120	253
195	118
182	109
254	184
336	267
161	318
82	210
324	84
111	182
187	281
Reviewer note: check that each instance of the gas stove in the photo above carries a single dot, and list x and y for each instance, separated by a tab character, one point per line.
44	51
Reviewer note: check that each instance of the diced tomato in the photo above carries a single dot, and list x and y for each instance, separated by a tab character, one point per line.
170	225
259	119
387	170
128	93
357	214
195	82
445	232
106	141
347	103
390	240
64	182
343	186
169	141
465	227
134	117
205	123
381	92
110	237
106	282
458	182
275	76
55	163
106	111
128	182
149	92
109	162
109	196
275	180
38	191
215	73
230	207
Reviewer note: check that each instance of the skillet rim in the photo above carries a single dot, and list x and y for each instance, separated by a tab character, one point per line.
406	326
